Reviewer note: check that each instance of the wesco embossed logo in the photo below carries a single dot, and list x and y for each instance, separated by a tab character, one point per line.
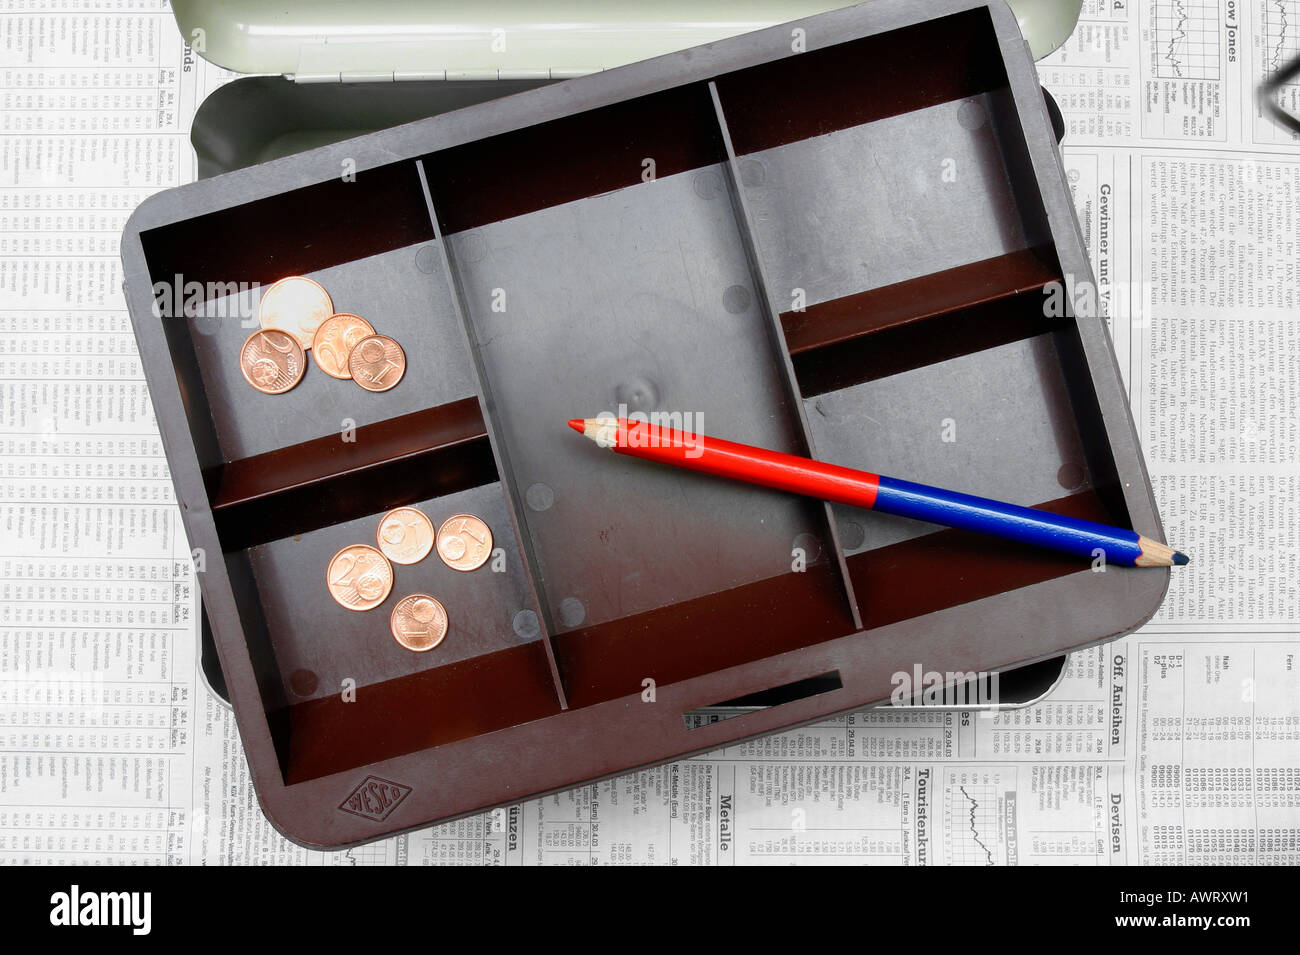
375	798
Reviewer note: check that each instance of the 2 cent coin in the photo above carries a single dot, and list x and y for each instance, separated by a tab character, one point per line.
272	361
359	577
335	339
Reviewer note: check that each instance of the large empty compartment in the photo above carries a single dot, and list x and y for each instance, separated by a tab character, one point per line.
609	275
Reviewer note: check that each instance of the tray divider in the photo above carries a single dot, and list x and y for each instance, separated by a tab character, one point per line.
769	306
499	453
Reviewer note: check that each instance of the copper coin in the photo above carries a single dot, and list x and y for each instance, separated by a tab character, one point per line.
418	622
335	339
464	542
377	363
405	535
271	361
295	305
359	577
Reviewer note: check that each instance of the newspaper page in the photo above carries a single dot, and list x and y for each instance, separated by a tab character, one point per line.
1180	743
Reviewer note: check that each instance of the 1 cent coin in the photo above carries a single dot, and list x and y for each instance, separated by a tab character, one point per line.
405	535
418	622
377	363
464	542
272	361
335	339
295	305
359	577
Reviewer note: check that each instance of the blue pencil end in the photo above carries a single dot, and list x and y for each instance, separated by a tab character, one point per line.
1180	558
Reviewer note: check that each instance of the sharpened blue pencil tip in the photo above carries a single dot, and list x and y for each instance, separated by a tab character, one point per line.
1180	558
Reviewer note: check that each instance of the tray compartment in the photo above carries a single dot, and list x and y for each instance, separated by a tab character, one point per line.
872	205
582	155
402	698
661	314
1025	427
835	85
1018	437
367	243
313	645
882	160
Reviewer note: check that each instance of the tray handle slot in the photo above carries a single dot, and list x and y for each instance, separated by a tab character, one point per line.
772	321
488	407
774	696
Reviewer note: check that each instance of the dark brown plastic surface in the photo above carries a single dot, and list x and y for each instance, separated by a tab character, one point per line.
761	238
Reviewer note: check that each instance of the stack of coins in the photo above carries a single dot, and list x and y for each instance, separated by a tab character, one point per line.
297	315
360	577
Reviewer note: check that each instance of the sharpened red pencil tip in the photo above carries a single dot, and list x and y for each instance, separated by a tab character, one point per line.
578	425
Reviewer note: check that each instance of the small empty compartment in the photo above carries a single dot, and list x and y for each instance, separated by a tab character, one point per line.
883	159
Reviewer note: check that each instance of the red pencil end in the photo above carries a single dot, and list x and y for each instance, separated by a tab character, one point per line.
578	425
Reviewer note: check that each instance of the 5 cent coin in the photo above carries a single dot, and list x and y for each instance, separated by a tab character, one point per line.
295	305
272	361
405	535
377	363
418	622
464	542
335	339
359	577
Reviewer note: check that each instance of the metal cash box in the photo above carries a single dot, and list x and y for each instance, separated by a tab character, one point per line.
798	270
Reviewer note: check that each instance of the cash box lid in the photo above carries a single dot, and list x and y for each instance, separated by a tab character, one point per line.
386	40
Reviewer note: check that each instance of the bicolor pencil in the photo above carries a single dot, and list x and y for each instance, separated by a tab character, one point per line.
831	482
